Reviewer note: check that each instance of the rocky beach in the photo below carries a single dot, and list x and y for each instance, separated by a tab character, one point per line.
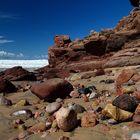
90	90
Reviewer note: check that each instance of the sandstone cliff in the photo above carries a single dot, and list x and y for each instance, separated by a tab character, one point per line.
109	48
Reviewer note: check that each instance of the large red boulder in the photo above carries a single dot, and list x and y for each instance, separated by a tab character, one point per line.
52	89
125	76
17	74
6	86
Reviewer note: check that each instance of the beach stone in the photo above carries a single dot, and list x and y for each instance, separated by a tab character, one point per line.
105	127
48	125
136	118
76	107
66	119
23	135
37	114
59	100
93	95
51	118
135	136
116	113
107	81
54	124
98	109
53	107
137	111
85	98
4	101
37	128
99	72
64	138
128	89
22	102
52	89
125	76
23	88
88	119
136	78
21	127
74	94
18	121
125	102
6	86
112	121
129	83
17	74
84	90
23	113
136	95
119	91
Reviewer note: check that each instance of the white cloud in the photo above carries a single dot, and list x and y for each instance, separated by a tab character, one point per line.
3	40
6	16
9	55
42	56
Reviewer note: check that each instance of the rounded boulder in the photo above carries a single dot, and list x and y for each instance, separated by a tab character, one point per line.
52	89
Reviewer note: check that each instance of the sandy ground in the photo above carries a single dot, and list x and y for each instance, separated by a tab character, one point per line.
101	131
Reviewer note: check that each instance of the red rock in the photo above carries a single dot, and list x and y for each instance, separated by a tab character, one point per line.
136	94
23	135
105	127
136	78
37	114
100	72
6	86
85	98
109	48
126	25
17	74
37	128
119	90
125	76
132	125
52	89
137	111
61	40
88	119
136	118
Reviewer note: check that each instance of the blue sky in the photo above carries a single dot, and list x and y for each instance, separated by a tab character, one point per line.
28	27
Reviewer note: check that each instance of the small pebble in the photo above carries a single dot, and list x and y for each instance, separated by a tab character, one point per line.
64	138
112	121
135	136
23	135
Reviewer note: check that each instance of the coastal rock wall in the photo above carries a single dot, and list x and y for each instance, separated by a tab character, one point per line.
109	48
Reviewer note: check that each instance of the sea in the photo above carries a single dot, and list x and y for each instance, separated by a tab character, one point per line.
30	65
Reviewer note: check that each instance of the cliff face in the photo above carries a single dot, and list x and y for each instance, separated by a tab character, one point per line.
109	48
